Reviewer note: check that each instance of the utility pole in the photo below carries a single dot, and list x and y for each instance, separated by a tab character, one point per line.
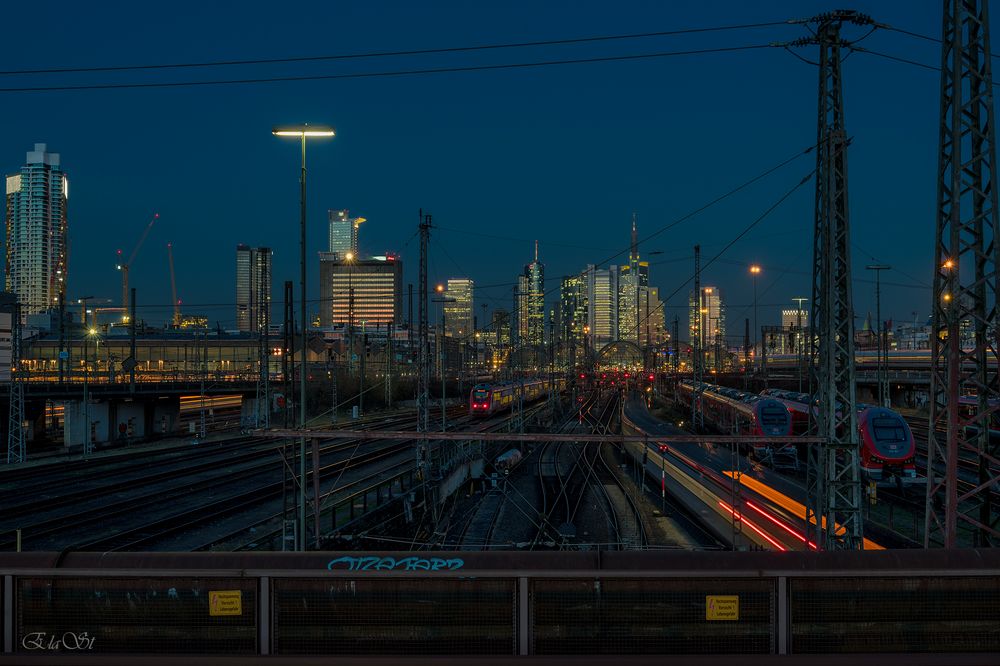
833	486
746	353
16	441
697	417
677	343
287	363
881	339
966	287
423	344
62	333
263	322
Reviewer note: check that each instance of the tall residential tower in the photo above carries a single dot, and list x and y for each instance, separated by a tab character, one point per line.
36	231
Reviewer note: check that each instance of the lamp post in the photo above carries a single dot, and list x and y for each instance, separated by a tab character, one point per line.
86	397
881	373
349	259
798	333
755	271
303	132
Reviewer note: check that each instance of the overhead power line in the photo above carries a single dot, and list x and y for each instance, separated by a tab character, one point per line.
385	54
393	73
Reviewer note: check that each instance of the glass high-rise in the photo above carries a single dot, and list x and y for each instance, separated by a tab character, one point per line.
37	261
344	233
602	302
253	288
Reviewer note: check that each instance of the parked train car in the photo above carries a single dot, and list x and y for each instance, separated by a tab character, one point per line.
487	399
507	461
887	445
796	404
733	411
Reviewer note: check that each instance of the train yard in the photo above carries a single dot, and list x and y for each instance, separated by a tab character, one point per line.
232	493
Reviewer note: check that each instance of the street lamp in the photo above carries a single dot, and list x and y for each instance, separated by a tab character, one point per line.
754	271
88	444
798	343
440	345
303	132
881	374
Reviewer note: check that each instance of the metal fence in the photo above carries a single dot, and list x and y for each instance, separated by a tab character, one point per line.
431	604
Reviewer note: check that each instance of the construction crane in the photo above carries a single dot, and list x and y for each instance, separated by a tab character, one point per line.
173	286
124	266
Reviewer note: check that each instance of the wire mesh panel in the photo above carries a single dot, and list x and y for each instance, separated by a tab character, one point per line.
162	615
894	615
391	616
652	616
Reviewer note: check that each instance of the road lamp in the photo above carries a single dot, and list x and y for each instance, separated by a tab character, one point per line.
798	342
303	132
755	271
88	444
349	260
880	373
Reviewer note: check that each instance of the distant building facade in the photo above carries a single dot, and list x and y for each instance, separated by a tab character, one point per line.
253	288
36	221
707	325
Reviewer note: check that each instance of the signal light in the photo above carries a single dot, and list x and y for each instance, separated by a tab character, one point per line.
663	448
652	377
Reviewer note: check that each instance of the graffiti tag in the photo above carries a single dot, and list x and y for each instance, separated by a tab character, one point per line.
371	563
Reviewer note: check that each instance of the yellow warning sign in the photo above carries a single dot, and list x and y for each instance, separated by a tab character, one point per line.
722	607
225	602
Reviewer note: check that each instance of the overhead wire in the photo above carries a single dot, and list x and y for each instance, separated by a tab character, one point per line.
384	54
383	74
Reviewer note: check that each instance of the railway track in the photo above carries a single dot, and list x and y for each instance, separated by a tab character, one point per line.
156	495
268	529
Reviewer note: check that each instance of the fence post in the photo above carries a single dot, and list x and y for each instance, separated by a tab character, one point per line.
782	618
523	627
264	614
8	614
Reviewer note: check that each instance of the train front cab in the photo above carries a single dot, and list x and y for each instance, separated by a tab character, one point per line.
773	419
887	447
480	400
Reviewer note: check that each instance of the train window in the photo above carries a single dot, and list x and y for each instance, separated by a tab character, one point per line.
480	394
773	415
889	430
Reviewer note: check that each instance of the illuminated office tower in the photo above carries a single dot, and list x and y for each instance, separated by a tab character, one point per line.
602	305
535	304
344	233
458	317
36	231
360	292
709	325
253	287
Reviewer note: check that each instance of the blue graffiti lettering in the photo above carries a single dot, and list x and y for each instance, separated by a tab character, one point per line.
371	563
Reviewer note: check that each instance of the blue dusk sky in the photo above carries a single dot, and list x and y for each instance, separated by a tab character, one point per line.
562	154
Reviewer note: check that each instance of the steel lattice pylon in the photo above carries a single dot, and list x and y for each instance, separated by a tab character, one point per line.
16	440
833	488
965	288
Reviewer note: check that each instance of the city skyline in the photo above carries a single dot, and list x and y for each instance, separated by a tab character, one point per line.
341	174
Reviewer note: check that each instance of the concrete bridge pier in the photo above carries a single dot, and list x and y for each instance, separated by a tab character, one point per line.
109	420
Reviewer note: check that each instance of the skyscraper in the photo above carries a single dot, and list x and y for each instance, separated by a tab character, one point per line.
573	311
709	325
344	233
632	280
535	304
36	231
253	288
458	317
602	305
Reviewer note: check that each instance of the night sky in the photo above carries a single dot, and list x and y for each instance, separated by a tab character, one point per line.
562	154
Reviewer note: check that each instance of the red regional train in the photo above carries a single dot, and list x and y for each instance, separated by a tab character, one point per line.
887	445
487	399
731	410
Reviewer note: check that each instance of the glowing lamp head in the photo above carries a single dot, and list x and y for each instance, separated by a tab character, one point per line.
93	331
306	130
755	269
349	256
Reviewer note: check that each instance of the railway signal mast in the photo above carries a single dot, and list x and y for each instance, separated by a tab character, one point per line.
833	487
966	286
